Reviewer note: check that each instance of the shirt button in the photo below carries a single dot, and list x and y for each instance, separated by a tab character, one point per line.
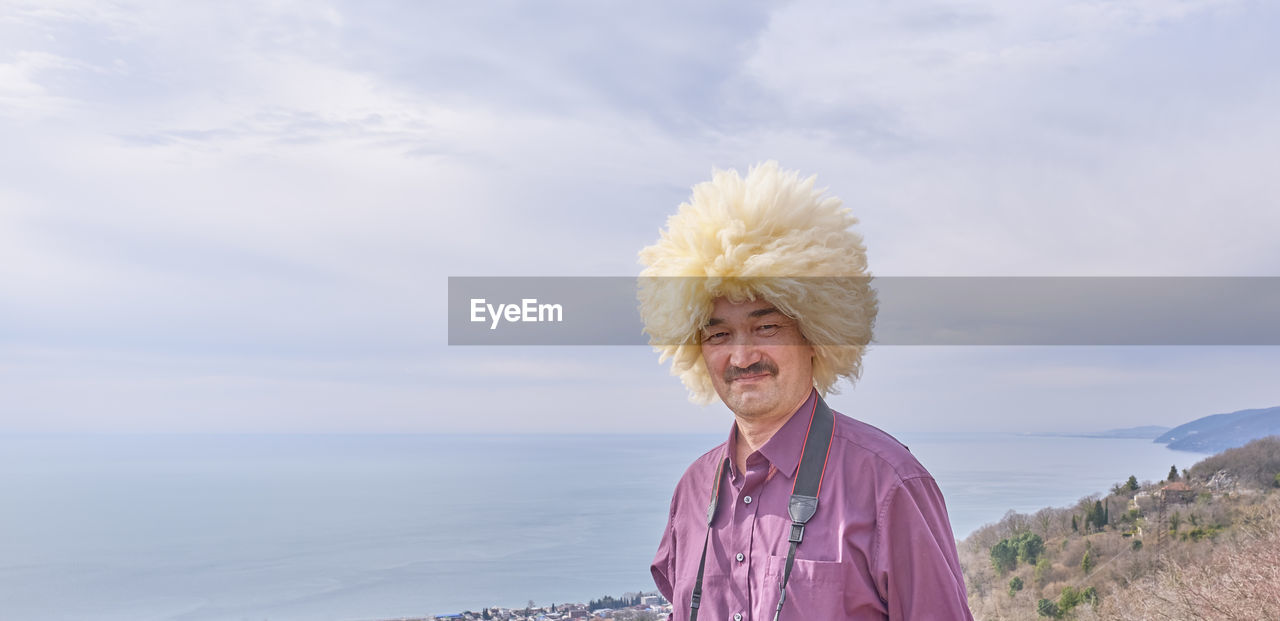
741	557
747	500
737	616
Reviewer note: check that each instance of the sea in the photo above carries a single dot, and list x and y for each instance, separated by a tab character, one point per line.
365	527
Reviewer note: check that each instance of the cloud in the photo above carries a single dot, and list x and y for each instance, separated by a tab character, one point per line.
1072	139
23	94
919	61
298	179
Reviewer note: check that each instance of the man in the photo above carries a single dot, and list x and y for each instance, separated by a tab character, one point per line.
758	293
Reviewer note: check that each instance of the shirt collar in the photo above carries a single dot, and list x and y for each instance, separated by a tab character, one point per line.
783	449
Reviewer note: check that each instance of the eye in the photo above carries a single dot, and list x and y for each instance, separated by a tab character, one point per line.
715	338
768	329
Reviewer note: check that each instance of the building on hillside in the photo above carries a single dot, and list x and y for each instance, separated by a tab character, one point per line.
1177	492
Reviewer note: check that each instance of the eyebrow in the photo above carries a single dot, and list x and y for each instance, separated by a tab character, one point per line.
759	312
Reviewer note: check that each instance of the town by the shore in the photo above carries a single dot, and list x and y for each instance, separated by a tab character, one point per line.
644	606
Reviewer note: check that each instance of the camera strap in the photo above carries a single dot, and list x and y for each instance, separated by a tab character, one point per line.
803	503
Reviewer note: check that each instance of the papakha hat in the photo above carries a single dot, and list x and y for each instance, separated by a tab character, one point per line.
770	235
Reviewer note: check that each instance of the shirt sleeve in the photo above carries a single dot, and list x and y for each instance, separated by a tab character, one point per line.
663	567
916	566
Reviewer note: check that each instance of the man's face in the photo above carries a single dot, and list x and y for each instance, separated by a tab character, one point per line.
760	364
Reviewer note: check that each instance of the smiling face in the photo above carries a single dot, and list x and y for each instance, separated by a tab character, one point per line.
760	364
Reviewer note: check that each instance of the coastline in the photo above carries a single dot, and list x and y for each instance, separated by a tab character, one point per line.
642	606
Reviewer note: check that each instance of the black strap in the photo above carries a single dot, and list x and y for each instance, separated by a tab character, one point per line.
696	600
808	484
804	497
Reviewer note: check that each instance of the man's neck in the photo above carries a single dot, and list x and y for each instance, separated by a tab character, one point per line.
753	433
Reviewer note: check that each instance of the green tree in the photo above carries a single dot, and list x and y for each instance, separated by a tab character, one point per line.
1173	473
1004	556
1015	585
1136	545
1041	574
1029	548
1132	483
1097	516
1175	521
1090	595
486	614
1075	525
1278	479
1047	608
1087	563
1069	599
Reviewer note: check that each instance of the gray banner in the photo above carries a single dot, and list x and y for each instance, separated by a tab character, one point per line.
913	311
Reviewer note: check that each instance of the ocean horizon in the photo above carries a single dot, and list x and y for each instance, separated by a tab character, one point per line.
163	527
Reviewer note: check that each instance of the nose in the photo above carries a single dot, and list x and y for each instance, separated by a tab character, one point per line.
744	353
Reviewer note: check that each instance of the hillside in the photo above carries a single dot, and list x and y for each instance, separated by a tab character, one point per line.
1203	546
1219	432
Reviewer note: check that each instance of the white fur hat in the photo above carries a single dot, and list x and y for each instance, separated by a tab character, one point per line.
772	236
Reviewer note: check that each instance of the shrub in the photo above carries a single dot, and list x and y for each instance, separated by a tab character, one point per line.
1203	532
1069	599
1047	608
1015	585
1042	571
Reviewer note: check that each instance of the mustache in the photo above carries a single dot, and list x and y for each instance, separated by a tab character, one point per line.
764	366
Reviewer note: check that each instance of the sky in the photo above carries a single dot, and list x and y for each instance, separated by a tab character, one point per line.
242	217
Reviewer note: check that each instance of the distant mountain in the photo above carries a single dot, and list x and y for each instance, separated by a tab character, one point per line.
1144	432
1219	432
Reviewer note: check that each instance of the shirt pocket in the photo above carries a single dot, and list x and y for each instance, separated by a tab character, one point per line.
715	587
814	589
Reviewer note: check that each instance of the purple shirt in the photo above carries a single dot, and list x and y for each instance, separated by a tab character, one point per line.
880	546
